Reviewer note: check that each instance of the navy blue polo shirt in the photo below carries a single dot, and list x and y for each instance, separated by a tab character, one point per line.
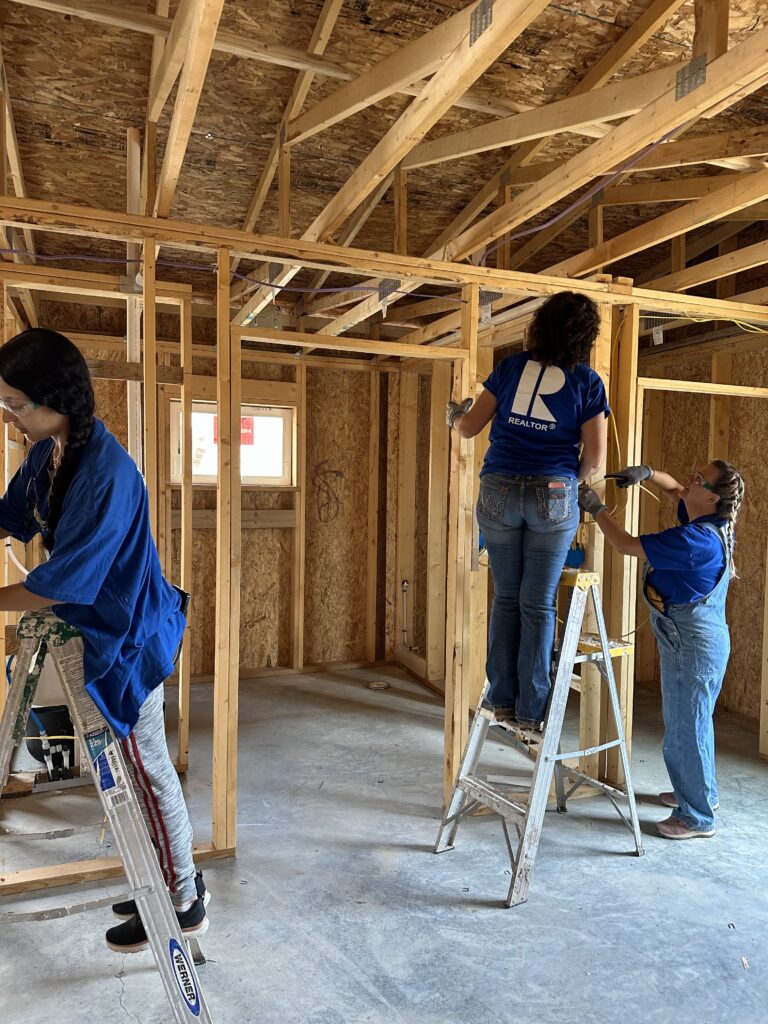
104	573
687	560
539	415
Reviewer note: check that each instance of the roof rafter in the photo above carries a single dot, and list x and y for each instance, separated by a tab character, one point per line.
744	192
631	41
415	60
176	45
114	16
608	103
197	57
317	44
468	61
712	270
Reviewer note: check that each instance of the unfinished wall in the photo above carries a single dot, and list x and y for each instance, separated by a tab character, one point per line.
338	430
391	583
419	582
685	442
748	428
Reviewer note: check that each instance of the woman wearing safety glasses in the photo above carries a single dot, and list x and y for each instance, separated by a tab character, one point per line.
81	491
687	573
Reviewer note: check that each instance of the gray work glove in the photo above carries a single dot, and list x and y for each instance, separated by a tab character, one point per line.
630	475
590	501
456	409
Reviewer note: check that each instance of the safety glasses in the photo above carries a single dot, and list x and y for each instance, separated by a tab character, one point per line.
17	408
697	478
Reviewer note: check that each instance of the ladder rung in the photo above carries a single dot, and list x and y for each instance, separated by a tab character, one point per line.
588	780
490	797
584	753
589	643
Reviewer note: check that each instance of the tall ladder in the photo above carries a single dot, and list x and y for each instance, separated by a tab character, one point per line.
526	811
41	634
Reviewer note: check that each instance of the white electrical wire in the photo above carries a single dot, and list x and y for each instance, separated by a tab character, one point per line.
14	559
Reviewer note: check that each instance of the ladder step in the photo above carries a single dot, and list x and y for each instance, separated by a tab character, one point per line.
589	643
487	795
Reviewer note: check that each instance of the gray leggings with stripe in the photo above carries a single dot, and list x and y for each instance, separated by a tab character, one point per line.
161	800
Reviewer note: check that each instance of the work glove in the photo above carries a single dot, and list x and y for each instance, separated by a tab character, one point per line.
456	409
590	501
630	475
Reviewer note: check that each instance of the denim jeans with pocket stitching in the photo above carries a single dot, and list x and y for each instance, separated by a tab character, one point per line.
528	523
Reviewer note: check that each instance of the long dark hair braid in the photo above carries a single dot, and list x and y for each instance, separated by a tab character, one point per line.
730	490
48	368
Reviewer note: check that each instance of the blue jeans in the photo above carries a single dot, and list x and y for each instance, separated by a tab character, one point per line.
528	523
694	645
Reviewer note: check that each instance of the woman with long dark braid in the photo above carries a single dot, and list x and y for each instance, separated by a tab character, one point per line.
81	491
688	569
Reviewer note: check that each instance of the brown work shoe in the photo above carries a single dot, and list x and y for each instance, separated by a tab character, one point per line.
673	828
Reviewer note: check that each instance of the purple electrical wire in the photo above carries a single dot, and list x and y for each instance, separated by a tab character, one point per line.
604	182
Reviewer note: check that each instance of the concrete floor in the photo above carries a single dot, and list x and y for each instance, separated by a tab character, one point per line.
336	912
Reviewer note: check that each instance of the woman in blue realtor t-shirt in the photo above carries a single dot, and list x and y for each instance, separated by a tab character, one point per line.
81	490
688	569
549	410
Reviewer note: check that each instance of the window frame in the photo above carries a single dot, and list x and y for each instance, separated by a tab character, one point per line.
247	409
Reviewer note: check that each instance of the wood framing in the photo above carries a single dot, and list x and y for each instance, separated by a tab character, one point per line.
650	522
460	539
620	594
149	364
664	115
372	546
597	558
320	38
300	506
226	672
202	24
437	517
406	512
186	524
466	63
608	103
410	63
187	235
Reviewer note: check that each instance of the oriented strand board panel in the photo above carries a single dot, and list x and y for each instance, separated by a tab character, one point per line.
685	433
264	615
748	428
391	584
419	582
338	404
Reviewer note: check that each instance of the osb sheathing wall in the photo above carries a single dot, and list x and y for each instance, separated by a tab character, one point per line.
391	582
685	441
418	585
338	424
338	414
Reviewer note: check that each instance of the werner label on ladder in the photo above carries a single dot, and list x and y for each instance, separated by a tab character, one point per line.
526	811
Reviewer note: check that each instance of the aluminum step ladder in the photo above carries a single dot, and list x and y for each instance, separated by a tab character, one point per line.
41	634
526	810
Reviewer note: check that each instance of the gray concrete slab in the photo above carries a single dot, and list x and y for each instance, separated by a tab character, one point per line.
336	911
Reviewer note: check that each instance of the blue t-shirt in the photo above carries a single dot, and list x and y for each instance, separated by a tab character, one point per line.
104	573
685	561
539	414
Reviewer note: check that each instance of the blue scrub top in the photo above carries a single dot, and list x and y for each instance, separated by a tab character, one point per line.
539	415
687	560
104	572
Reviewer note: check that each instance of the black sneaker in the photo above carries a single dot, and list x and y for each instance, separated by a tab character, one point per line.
126	910
130	936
